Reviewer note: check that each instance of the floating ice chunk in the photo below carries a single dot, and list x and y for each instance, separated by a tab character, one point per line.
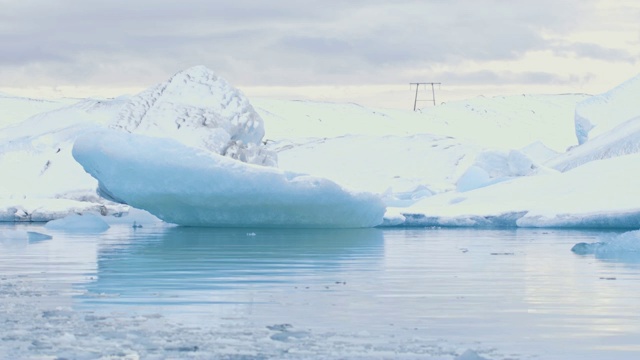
187	186
79	223
623	247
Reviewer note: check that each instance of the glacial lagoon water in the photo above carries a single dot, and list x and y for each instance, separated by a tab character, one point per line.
198	293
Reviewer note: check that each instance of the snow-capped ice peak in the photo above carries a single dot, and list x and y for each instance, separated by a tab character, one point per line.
202	110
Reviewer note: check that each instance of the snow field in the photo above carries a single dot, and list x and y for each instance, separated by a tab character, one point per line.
481	162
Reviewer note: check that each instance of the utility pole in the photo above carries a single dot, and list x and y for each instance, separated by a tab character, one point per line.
433	92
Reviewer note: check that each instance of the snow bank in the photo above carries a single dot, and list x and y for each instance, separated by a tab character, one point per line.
607	125
201	110
600	194
43	209
601	113
186	186
87	223
494	166
402	168
16	108
622	140
507	122
406	155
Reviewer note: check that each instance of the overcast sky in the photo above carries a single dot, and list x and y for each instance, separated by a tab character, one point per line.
363	51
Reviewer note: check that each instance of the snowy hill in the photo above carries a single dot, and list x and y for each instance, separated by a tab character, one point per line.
16	109
410	155
596	188
508	122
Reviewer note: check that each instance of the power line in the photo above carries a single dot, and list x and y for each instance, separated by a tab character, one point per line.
433	92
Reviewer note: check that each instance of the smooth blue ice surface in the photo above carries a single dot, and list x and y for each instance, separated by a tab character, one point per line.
188	186
201	293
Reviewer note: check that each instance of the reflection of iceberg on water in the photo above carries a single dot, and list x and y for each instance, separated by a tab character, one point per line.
187	186
206	266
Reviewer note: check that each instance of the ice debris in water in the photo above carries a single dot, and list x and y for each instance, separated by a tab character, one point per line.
88	223
624	244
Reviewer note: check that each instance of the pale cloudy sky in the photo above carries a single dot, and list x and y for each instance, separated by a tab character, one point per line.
364	51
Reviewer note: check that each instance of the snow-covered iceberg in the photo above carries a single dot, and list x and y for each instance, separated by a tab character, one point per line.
41	181
202	110
601	113
192	187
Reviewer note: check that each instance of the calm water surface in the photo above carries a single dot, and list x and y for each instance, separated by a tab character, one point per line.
173	292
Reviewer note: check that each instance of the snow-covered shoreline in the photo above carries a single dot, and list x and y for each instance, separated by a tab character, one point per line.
499	162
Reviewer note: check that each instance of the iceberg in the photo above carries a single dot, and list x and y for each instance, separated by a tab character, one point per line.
601	113
193	187
624	247
42	180
202	110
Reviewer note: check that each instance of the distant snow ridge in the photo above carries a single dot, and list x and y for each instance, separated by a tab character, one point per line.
194	100
607	126
601	113
624	139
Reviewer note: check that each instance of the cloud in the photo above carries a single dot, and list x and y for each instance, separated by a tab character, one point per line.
594	51
287	42
507	77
